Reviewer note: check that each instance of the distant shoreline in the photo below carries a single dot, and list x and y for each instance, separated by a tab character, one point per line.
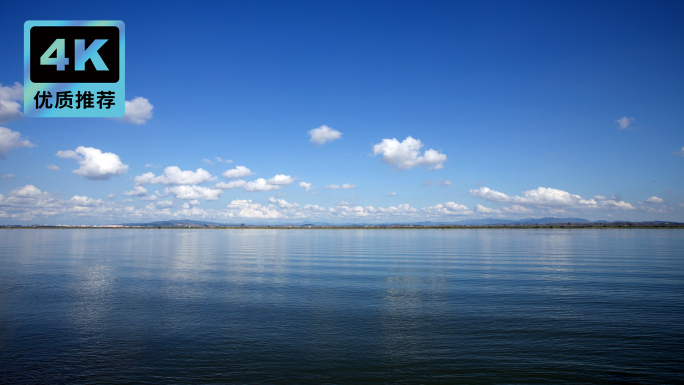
370	227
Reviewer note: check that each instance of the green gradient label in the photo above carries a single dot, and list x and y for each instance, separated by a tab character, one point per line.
74	68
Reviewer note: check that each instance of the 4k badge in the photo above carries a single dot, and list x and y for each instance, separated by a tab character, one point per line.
74	69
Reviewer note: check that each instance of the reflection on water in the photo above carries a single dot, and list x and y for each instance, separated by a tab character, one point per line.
340	306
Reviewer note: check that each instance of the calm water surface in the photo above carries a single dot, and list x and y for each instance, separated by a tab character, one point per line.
341	306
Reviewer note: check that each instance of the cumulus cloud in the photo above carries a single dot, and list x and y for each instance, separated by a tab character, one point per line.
175	176
311	207
548	198
280	179
448	208
246	209
624	122
306	186
27	191
208	162
190	204
164	204
338	187
486	210
324	134
517	209
52	167
138	111
9	108
237	172
28	202
231	185
11	140
679	153
95	164
283	203
150	165
345	209
406	154
138	191
111	196
260	185
194	192
391	194
446	183
655	200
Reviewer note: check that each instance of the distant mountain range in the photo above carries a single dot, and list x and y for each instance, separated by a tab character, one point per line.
465	222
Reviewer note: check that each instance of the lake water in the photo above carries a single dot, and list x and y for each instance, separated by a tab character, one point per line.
341	306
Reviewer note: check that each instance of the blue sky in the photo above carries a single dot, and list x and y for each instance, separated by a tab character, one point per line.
531	109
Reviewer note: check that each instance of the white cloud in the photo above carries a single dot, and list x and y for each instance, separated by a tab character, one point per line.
28	191
150	165
613	204
83	201
280	179
164	204
138	191
150	198
8	176
219	160
548	198
237	172
680	152
174	176
207	161
260	185
486	210
194	192
231	185
599	197
10	140
391	194
624	122
344	209
306	186
28	202
138	111
517	209
338	187
406	154
111	196
95	164
446	183
9	108
246	209
655	200
192	203
490	195
449	208
282	203
324	134
52	167
311	207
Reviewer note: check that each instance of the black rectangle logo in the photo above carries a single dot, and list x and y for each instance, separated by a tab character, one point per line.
83	54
